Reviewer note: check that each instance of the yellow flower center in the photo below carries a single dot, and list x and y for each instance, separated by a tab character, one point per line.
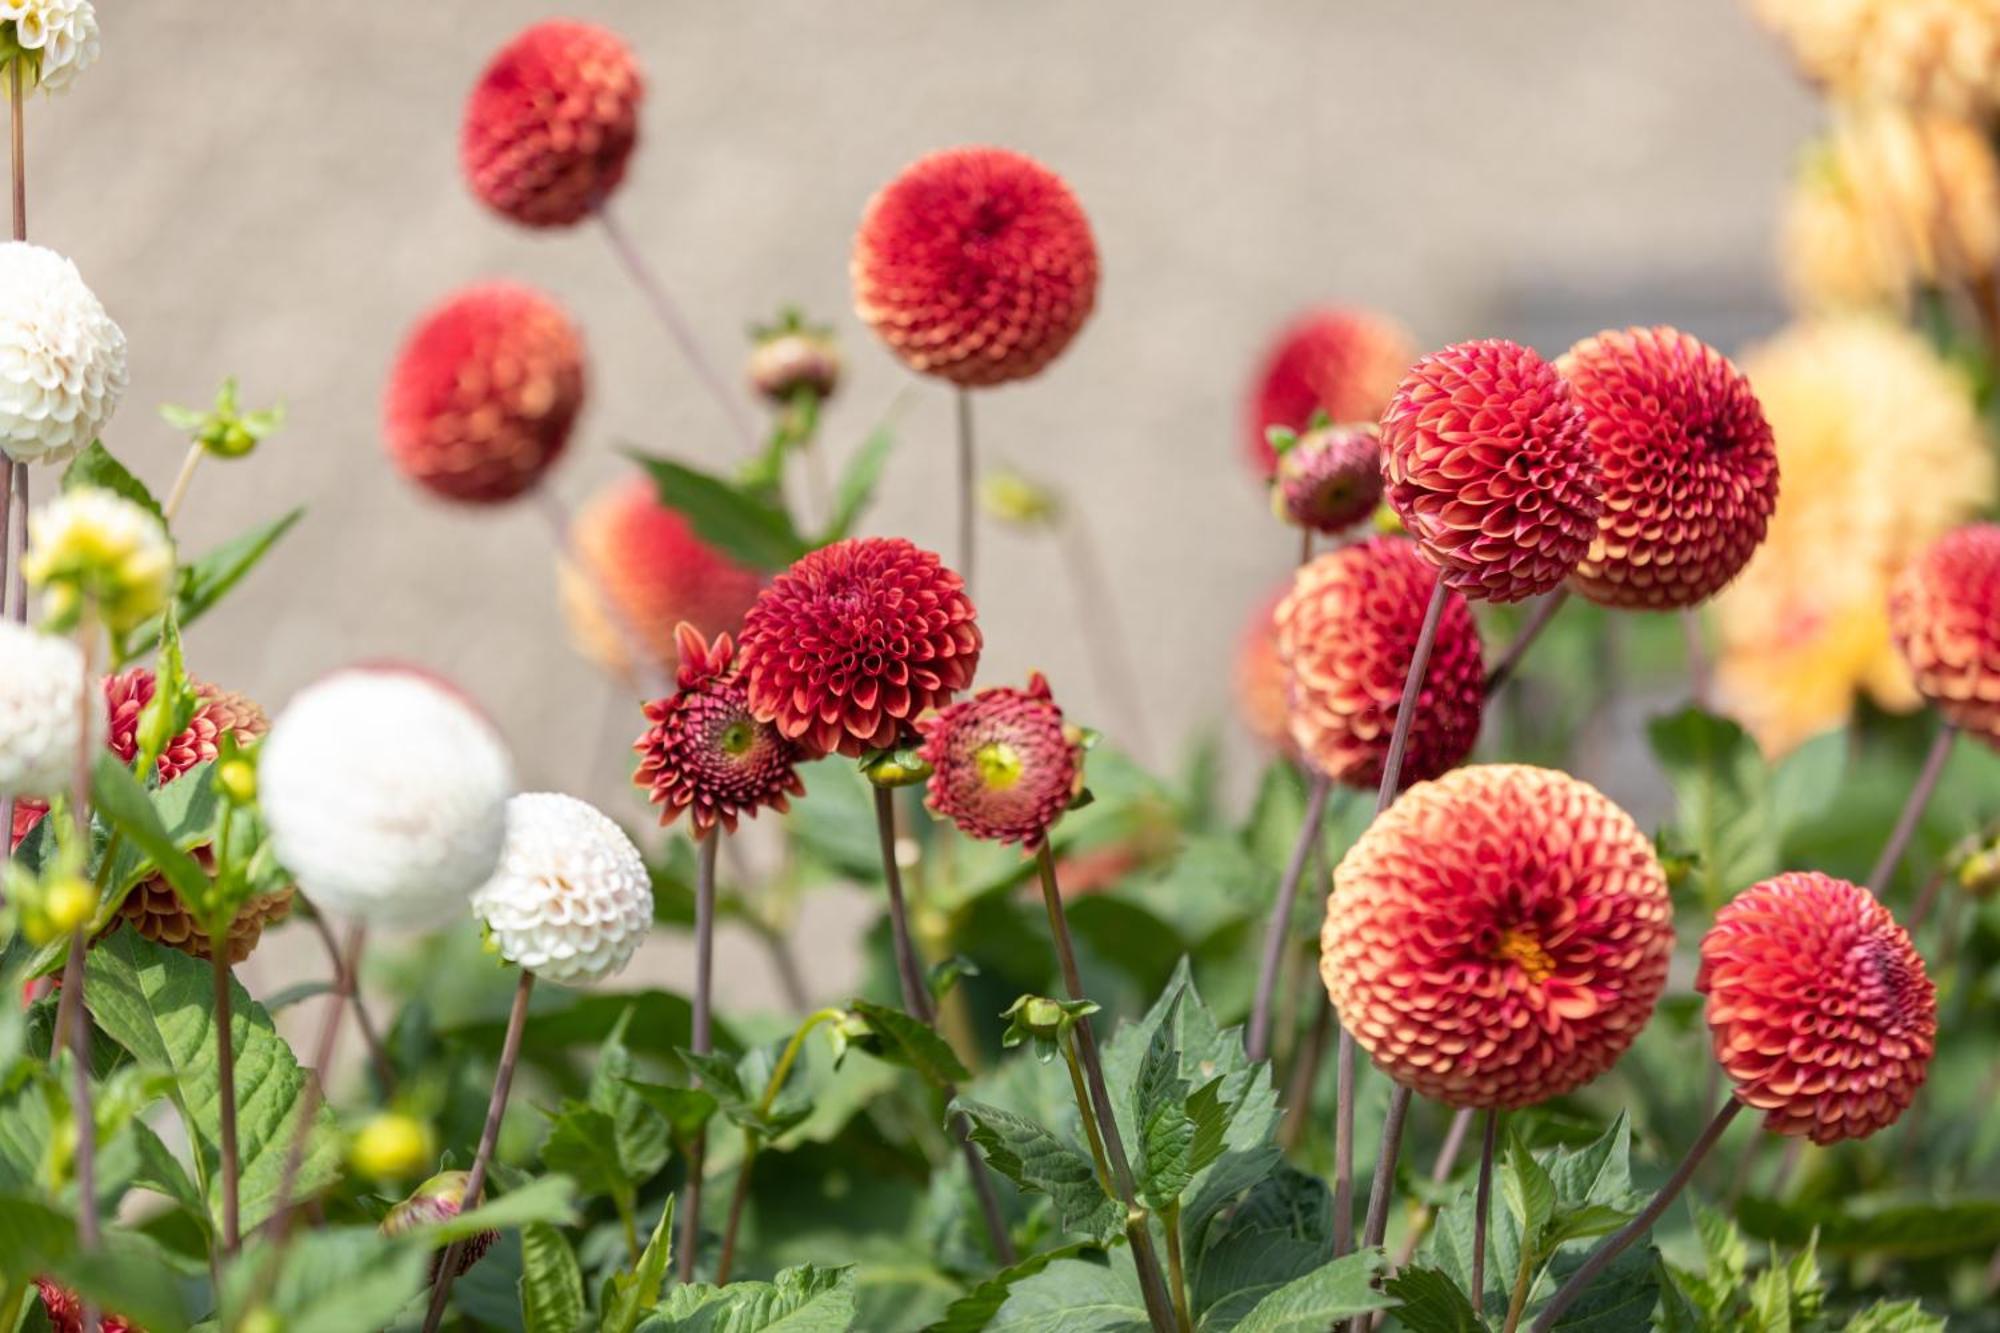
1525	950
999	765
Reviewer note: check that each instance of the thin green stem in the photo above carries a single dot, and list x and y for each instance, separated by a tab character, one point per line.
225	1068
1176	1275
1068	1044
704	966
1517	1300
772	1087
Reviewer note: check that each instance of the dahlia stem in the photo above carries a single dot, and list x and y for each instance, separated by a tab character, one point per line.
1413	688
77	1029
1257	1039
1510	661
1176	1273
15	102
1454	1142
17	541
646	672
917	999
704	962
1482	1207
225	1068
347	962
1305	1073
772	1087
1104	635
968	487
378	1054
1697	657
1067	1041
182	480
1343	1141
678	328
489	1136
1913	810
1616	1244
1385	1167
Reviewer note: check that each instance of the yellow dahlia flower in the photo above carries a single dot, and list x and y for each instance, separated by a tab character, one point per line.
1939	54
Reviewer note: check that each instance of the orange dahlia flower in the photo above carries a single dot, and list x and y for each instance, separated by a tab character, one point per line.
1944	611
1342	362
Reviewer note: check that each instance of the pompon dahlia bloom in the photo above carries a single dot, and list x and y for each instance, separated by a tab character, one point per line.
41	727
1331	479
1689	471
1944	611
92	549
62	360
705	752
1004	764
976	265
571	900
848	647
1260	674
60	37
65	1311
1939	54
1488	465
386	792
483	394
551	122
1346	632
440	1199
1498	937
1818	1005
1345	363
627	547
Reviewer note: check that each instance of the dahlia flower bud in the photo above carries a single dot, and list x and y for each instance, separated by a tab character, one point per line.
439	1199
1488	465
57	38
1497	937
793	357
90	549
571	899
64	1309
551	122
41	730
385	791
1346	633
62	360
848	647
1330	478
1688	465
976	265
52	906
1343	363
1944	611
1818	1005
225	430
705	752
1004	765
392	1145
484	392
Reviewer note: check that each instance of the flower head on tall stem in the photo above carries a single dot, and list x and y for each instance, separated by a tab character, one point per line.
1004	765
571	899
1344	363
1330	478
1944	611
93	548
56	39
65	357
705	752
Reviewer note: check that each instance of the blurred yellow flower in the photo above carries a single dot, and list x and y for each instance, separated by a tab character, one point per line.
1939	54
1879	451
92	549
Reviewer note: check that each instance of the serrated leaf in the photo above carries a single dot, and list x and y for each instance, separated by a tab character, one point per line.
1725	810
1529	1193
1896	1317
973	1311
95	467
1314	1302
911	1043
551	1283
1083	1295
685	1110
332	1280
641	1136
1039	1162
632	1294
1429	1302
805	1299
582	1143
750	531
1621	1298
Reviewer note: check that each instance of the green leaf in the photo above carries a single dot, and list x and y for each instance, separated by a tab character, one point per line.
546	1201
642	1137
1896	1317
95	467
209	579
805	1299
118	796
1083	1295
1039	1162
632	1294
685	1110
748	530
1879	1228
551	1283
1621	1298
1166	1132
857	482
911	1043
582	1143
1429	1302
1312	1303
1726	810
333	1280
973	1311
129	1276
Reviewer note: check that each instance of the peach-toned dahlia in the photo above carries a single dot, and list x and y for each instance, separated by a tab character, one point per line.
1489	466
976	265
643	557
65	1311
1497	937
1342	362
1330	479
154	910
848	647
1689	470
1260	674
1939	54
483	394
551	122
1818	1005
1944	611
1004	765
705	753
1346	633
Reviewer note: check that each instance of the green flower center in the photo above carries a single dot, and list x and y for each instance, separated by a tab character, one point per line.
737	738
999	765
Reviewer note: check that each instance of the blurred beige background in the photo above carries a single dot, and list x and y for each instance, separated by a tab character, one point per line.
270	188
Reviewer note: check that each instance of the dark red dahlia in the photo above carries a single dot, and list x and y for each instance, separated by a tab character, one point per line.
1344	363
551	122
1330	479
848	647
65	1311
976	265
704	752
1004	765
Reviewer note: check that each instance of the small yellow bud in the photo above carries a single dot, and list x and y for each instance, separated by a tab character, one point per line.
69	903
238	781
1012	498
393	1146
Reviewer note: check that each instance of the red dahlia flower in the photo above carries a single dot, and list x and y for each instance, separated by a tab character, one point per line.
976	265
1346	633
65	1311
704	752
1331	479
1944	611
1344	363
482	396
1497	937
1818	1005
1004	766
1689	469
550	123
1489	467
848	647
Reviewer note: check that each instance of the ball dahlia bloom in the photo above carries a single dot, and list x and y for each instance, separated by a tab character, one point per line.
1345	363
1818	1006
62	360
1488	464
551	122
93	549
635	561
1346	633
1260	675
385	791
1498	936
1687	462
705	752
1330	480
1004	764
571	899
41	718
1944	611
848	647
483	394
976	265
59	36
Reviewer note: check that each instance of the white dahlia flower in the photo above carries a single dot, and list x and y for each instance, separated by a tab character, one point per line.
572	898
63	33
62	360
93	547
41	712
386	795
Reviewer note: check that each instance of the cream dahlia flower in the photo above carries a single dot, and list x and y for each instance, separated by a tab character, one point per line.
386	794
93	548
571	899
41	689
62	359
60	34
